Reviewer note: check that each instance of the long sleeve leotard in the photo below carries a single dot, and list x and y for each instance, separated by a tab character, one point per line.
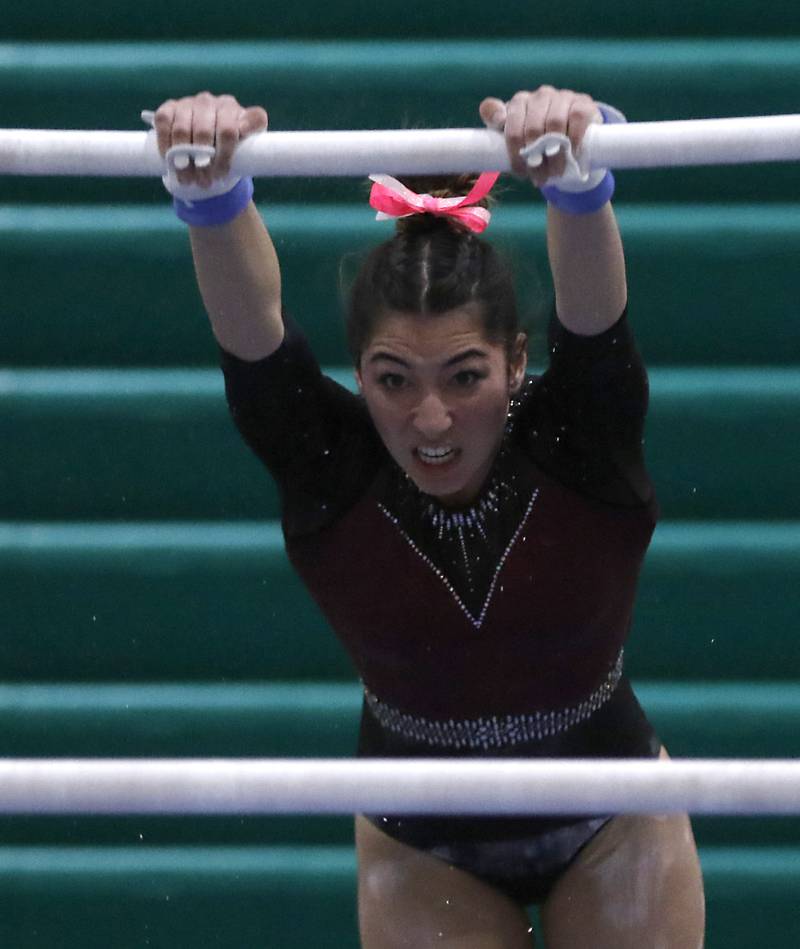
493	630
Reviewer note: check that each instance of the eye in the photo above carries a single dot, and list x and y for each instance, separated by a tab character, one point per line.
391	380
467	378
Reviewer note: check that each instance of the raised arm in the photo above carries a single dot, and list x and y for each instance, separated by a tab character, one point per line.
235	263
585	250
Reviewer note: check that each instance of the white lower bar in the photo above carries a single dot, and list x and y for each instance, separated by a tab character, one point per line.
409	786
416	151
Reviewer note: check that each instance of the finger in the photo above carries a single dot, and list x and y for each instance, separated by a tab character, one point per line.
537	108
557	121
182	135
583	113
253	120
493	113
204	122
162	122
228	121
516	111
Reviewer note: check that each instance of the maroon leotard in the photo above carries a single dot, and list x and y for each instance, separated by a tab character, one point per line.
493	630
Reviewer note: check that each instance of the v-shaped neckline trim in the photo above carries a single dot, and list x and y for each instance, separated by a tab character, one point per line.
478	621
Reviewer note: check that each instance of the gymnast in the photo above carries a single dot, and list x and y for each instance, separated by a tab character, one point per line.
474	534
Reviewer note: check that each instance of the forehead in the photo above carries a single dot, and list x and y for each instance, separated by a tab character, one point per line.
430	336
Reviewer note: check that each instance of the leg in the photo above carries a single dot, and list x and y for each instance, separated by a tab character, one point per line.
636	885
408	899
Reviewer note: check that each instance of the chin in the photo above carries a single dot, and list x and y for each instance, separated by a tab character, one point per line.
436	489
449	488
453	495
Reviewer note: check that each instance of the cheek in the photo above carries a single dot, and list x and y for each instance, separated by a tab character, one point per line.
387	418
490	418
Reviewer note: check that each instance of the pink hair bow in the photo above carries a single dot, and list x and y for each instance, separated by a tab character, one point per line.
391	198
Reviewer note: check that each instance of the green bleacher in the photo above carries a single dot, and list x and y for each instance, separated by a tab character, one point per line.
147	604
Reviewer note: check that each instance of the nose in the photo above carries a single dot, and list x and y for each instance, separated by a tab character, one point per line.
432	417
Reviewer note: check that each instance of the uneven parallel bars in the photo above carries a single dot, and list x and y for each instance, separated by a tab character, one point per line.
406	786
333	153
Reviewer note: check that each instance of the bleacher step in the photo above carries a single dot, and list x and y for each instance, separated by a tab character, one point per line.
147	444
690	268
297	896
180	601
150	20
703	719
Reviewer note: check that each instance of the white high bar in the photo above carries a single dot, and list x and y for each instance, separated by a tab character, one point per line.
415	151
406	786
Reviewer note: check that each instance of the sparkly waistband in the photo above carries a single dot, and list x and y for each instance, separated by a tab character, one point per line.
497	731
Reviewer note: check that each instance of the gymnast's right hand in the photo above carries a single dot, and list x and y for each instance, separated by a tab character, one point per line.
205	119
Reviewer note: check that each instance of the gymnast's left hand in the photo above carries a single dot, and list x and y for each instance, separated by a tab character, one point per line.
529	115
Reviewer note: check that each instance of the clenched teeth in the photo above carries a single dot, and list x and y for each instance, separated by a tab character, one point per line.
435	456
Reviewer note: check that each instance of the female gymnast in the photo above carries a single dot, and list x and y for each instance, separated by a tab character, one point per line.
473	534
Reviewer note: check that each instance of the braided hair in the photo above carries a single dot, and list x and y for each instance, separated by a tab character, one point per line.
433	265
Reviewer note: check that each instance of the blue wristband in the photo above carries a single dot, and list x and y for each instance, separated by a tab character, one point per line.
585	202
581	202
212	212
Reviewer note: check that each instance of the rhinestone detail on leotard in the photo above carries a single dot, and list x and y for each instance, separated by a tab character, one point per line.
476	621
497	731
474	518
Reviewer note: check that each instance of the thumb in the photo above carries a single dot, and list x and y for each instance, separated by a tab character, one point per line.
493	113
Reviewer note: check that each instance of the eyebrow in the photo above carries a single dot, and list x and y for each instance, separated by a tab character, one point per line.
376	357
467	354
454	360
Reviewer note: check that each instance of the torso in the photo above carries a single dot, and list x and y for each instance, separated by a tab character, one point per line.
514	612
518	605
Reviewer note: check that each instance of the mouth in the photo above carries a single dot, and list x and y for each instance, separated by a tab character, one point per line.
435	456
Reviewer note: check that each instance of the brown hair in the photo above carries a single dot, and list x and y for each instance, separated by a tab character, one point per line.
433	265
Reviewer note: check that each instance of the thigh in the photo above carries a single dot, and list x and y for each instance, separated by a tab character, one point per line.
408	898
636	885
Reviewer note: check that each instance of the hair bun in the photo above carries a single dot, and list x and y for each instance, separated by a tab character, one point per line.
438	186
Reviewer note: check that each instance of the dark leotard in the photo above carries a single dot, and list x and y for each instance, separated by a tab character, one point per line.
496	630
